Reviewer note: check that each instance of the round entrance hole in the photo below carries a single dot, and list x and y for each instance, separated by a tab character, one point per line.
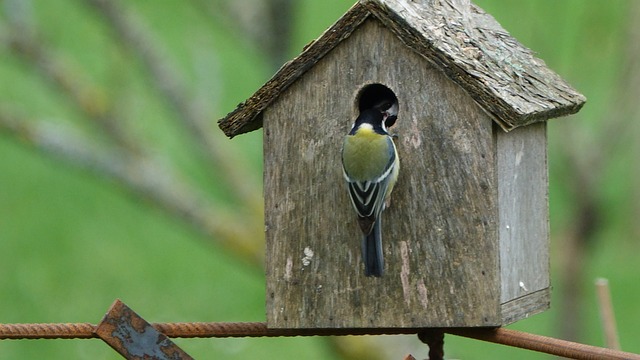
377	95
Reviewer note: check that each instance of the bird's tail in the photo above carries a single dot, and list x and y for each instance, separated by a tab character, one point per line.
372	251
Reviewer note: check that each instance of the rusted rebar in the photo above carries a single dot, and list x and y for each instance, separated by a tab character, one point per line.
47	331
183	330
259	329
543	344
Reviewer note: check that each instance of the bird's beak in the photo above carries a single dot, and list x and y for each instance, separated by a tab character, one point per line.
389	120
392	110
391	115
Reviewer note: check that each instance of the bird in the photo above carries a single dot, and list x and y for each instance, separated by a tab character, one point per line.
370	167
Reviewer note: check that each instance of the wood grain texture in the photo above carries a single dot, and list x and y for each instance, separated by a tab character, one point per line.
463	41
525	306
524	214
440	233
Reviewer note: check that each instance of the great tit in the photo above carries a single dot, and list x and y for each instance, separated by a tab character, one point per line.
370	166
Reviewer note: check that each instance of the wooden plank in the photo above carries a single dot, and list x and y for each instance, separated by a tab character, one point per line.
524	211
523	307
439	235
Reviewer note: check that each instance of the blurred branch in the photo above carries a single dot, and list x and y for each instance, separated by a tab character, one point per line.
268	24
143	176
607	317
281	22
128	161
20	15
89	99
589	153
618	129
163	75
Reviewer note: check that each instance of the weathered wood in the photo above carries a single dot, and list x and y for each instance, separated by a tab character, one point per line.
440	233
521	308
524	215
462	40
466	239
248	115
472	48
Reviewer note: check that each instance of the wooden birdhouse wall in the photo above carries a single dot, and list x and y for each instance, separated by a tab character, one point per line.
446	246
523	221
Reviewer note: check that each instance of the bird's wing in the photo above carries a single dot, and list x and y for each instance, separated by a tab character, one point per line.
368	196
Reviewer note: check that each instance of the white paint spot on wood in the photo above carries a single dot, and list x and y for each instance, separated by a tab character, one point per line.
524	288
404	272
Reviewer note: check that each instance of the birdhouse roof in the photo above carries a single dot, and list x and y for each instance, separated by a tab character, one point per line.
469	45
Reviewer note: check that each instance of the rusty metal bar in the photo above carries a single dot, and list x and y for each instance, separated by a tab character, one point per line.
259	329
47	331
543	344
183	330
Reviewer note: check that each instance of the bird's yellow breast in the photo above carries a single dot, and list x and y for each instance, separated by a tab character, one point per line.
366	154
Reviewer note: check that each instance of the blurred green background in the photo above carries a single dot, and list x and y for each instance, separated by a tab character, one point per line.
115	181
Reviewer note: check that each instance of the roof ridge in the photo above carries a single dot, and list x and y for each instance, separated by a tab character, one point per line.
461	39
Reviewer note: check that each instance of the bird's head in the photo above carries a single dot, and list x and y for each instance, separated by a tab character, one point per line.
389	110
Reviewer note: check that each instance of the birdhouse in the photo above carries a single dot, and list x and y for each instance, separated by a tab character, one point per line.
465	237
